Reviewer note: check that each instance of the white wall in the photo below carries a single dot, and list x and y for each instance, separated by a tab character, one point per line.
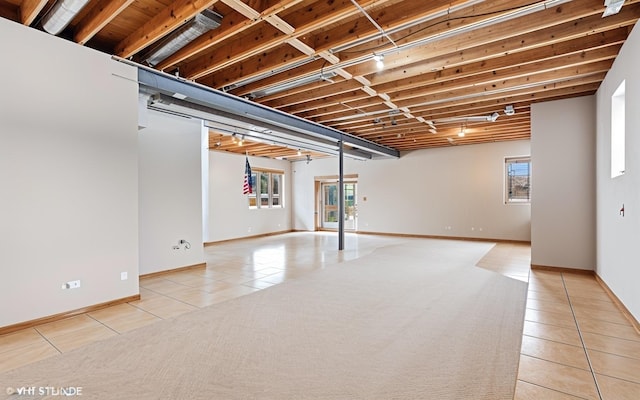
229	215
170	193
563	205
69	173
426	191
618	237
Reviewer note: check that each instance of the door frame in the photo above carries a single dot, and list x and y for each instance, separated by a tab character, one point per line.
318	180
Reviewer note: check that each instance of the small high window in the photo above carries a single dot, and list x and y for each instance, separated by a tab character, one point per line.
517	180
618	131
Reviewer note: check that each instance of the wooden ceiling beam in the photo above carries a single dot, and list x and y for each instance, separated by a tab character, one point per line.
10	11
396	17
304	21
343	100
322	92
165	22
573	21
568	66
573	89
254	42
255	65
501	96
538	39
232	25
100	14
472	80
492	57
29	10
275	61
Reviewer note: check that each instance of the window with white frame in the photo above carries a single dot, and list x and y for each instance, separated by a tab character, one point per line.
517	180
618	131
266	189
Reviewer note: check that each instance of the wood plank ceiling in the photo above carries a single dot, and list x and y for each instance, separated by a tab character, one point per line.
448	65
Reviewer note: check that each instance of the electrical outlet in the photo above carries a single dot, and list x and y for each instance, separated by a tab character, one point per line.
176	247
124	276
71	285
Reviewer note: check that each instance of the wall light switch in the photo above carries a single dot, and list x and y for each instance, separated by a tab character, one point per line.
124	276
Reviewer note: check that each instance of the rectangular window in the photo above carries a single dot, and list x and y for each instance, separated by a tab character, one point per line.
266	188
275	189
253	198
517	180
618	131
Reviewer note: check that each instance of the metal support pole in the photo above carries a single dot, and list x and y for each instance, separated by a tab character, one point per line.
341	212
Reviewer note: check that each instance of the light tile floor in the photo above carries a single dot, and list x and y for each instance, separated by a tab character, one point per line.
576	343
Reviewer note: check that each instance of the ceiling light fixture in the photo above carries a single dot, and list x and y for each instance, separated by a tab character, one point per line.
379	59
462	131
493	117
509	110
299	152
197	26
612	7
61	14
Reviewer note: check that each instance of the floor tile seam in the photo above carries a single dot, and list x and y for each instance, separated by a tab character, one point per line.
595	307
614	354
584	318
547	310
631	341
147	311
103	324
593	373
557	326
47	340
553	362
551	340
160	294
550	324
618	378
554	389
611	336
168	295
168	280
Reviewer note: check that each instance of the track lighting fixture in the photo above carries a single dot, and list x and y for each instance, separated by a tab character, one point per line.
462	131
509	110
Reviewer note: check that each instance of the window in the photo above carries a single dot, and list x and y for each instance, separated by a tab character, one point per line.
518	180
266	189
618	131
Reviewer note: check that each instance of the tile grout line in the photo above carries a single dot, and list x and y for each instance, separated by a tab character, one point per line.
103	324
47	339
586	353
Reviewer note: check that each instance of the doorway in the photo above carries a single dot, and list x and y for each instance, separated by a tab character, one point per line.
330	205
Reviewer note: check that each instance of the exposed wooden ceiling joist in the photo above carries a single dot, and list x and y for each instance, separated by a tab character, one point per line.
443	59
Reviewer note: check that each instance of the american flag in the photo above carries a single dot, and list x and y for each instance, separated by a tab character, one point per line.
246	187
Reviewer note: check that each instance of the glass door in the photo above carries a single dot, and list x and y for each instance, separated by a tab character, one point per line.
330	207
